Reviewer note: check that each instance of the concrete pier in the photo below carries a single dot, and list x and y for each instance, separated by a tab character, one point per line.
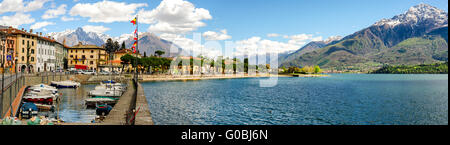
143	116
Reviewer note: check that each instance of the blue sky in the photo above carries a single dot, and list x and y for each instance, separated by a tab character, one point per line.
242	19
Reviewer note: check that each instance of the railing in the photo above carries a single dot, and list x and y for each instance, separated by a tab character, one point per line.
10	86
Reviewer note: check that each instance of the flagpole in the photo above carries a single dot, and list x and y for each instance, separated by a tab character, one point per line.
137	48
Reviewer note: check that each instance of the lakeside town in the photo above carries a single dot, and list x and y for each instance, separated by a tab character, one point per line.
88	76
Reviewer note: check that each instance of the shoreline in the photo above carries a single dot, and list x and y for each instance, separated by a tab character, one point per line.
162	78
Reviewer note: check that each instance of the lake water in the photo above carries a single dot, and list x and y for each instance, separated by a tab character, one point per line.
72	107
339	99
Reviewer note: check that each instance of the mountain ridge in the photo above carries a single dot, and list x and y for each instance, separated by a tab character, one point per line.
361	48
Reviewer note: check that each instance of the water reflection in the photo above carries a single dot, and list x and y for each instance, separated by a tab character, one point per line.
72	107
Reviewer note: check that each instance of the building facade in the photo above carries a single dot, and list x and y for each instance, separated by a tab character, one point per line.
7	51
26	50
46	58
88	57
60	54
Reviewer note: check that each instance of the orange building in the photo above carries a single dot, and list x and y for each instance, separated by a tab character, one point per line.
8	49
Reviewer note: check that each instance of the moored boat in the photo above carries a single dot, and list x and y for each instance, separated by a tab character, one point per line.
28	110
103	109
65	84
92	102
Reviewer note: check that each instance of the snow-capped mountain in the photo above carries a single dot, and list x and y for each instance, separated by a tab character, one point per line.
417	14
72	37
148	42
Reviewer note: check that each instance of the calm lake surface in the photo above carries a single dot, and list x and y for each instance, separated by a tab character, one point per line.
338	99
72	108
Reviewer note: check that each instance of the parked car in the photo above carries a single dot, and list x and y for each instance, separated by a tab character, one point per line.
80	72
89	72
115	72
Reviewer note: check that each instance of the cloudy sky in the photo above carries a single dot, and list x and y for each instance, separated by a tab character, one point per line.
272	25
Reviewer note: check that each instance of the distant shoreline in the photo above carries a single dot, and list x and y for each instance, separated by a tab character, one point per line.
157	78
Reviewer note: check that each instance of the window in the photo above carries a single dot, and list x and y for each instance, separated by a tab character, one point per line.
92	62
23	58
32	51
83	51
71	51
23	50
23	42
32	43
92	56
71	56
32	59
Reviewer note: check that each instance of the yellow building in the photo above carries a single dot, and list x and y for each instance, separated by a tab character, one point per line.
26	47
89	57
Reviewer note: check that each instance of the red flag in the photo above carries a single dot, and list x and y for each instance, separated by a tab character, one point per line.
135	31
133	21
135	38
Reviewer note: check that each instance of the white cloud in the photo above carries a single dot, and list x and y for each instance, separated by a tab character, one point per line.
39	25
211	35
65	19
273	35
193	47
53	13
106	11
20	6
174	16
16	20
96	29
34	5
258	46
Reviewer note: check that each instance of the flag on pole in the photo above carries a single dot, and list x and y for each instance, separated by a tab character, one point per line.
133	21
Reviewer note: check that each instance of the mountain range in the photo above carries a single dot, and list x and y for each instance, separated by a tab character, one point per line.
148	42
418	36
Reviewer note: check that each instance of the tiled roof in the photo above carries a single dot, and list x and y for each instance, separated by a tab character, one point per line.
80	46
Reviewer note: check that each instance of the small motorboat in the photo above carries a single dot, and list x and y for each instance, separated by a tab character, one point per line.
92	102
44	99
65	84
116	86
45	107
103	109
28	110
40	87
106	93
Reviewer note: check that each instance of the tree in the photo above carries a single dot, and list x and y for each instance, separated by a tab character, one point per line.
126	59
246	65
159	53
123	45
316	69
145	54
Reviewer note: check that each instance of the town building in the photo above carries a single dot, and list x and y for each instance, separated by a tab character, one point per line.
87	57
7	50
46	59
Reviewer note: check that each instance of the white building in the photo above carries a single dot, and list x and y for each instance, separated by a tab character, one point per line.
45	57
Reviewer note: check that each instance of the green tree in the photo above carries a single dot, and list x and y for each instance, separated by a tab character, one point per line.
159	53
317	69
123	45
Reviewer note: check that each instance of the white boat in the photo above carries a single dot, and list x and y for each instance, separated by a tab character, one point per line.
91	102
106	93
116	86
66	84
43	87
